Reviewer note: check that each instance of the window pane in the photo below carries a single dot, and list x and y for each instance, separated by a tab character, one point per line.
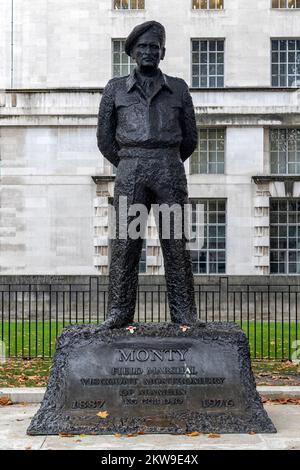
195	46
203	58
204	46
212	46
220	46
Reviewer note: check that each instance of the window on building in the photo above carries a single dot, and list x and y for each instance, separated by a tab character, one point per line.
209	157
122	63
129	4
208	227
285	151
286	62
207	63
207	4
286	4
285	236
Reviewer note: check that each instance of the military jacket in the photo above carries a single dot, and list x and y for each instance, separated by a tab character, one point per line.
132	124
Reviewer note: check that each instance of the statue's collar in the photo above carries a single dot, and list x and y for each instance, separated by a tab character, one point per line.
132	80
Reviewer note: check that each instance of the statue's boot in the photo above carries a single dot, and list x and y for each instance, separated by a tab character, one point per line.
188	318
117	319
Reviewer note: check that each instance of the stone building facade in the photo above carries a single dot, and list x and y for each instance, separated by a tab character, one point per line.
241	59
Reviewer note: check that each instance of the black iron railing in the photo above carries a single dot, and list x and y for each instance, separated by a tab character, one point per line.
32	315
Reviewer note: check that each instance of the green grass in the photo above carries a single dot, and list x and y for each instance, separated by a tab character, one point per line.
37	339
21	373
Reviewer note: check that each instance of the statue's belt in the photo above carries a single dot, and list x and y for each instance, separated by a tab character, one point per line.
158	152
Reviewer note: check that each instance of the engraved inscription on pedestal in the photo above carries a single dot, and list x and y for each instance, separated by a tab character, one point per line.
159	379
145	378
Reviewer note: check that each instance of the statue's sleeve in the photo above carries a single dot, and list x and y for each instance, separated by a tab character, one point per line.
106	129
189	127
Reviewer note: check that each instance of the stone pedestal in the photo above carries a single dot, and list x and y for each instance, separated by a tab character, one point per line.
151	378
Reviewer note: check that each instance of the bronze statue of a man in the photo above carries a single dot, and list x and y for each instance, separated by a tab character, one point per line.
147	129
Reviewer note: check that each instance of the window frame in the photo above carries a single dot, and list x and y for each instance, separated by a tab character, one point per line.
283	8
287	161
197	200
287	63
127	9
112	58
220	128
208	9
286	250
224	62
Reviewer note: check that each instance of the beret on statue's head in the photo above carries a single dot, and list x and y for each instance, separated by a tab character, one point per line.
140	29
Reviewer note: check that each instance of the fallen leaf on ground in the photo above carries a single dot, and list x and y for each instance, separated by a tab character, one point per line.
281	401
252	433
267	402
131	435
214	436
28	448
294	401
194	434
287	364
65	434
5	401
117	434
103	414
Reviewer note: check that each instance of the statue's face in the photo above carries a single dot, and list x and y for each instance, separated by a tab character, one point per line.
147	51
